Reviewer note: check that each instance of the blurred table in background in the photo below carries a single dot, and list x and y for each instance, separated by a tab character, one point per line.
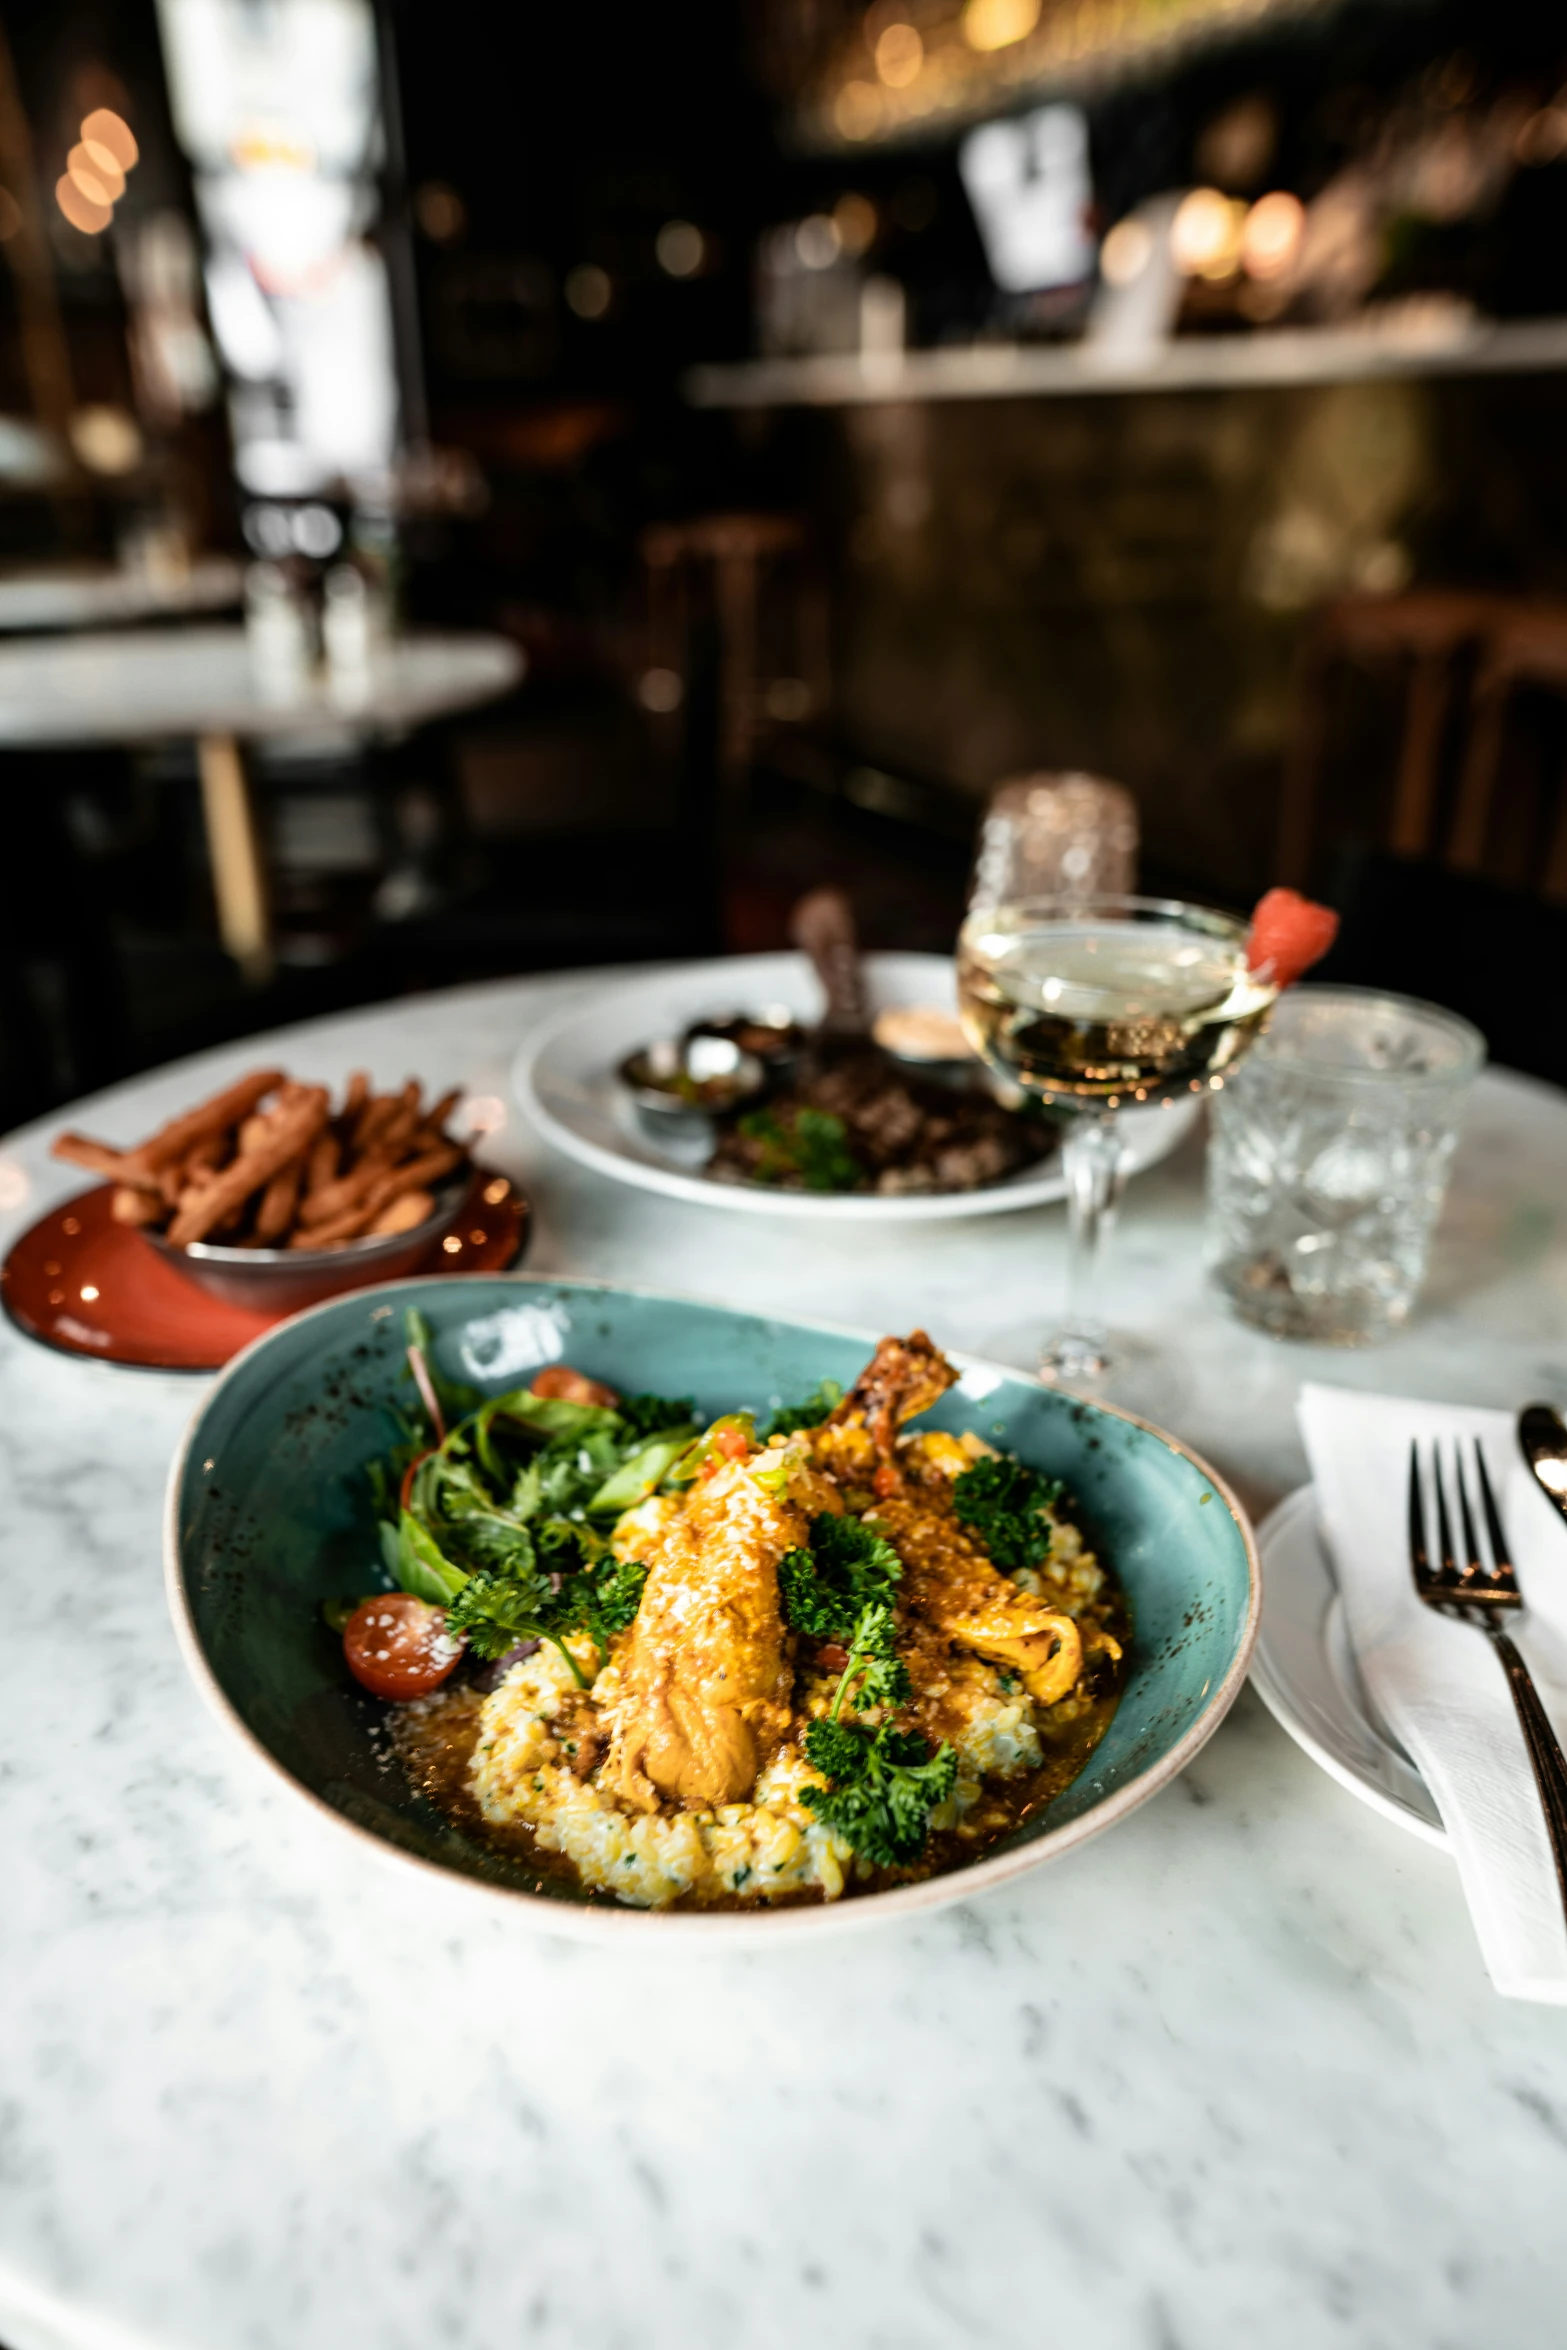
198	684
102	595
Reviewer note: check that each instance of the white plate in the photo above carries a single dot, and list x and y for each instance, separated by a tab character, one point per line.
566	1082
1303	1668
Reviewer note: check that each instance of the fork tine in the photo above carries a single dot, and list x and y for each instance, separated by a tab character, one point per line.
1475	1564
1418	1557
1443	1526
1493	1523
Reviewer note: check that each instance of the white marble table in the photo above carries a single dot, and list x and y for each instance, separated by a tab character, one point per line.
1231	2075
135	686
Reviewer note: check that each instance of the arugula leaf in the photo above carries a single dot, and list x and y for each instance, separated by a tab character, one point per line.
847	1566
639	1476
884	1785
823	1399
1002	1501
422	1568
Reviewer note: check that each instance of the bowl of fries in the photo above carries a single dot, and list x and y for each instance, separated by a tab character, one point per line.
271	1198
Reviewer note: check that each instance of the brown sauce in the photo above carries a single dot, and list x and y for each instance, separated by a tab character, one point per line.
435	1742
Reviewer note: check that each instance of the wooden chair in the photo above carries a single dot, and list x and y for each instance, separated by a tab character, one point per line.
1426	634
1525	644
740	551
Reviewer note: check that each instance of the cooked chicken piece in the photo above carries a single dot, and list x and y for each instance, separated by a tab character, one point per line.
952	1585
705	1692
1017	1630
904	1376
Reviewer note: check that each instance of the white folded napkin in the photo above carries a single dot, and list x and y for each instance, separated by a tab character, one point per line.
1437	1685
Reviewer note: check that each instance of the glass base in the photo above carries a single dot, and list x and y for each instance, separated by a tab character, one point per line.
1260	1291
1118	1367
1070	1357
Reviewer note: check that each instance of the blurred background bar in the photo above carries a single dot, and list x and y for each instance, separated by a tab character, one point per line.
779	429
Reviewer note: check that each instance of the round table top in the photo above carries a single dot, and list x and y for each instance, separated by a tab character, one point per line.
133	685
97	595
1230	2074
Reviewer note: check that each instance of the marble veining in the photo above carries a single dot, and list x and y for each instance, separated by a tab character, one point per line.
1231	2074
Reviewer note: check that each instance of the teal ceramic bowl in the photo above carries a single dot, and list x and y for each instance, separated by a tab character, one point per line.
269	1515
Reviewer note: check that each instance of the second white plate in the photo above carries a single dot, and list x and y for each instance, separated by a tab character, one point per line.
1303	1669
566	1082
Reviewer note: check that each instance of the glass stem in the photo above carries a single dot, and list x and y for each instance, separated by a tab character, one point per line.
1091	1163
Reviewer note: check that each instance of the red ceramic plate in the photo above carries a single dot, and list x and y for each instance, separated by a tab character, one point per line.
80	1282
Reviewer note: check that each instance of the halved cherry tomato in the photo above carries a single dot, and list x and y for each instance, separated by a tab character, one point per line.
560	1381
886	1481
398	1646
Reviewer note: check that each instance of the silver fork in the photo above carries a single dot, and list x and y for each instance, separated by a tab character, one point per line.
1483	1596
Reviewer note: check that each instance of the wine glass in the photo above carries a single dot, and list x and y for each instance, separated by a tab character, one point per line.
1089	1004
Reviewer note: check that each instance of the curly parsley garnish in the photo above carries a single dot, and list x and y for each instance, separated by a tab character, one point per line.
884	1783
493	1611
812	1149
1003	1502
848	1565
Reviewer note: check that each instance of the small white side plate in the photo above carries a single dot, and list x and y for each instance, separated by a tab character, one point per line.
1303	1669
566	1082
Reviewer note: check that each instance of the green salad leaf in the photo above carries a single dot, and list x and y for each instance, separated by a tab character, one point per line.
822	1401
495	1522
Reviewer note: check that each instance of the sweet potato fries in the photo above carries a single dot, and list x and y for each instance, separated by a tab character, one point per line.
268	1163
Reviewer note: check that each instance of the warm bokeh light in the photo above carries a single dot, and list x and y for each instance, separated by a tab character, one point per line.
106	440
817	243
681	248
79	209
1205	237
102	161
440	212
588	291
996	24
857	110
97	185
854	218
900	53
1126	252
104	128
1271	237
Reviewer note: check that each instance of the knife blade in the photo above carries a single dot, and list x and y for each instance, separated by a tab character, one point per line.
1542	1437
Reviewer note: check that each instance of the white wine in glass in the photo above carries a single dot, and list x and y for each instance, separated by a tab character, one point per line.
1088	1004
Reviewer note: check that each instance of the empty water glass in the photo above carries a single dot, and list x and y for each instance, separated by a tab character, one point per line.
1055	836
1329	1159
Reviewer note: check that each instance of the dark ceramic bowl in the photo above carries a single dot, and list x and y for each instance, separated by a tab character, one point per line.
282	1280
269	1515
